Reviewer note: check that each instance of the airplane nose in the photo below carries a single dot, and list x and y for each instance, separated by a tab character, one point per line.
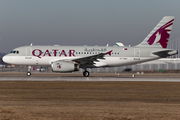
6	59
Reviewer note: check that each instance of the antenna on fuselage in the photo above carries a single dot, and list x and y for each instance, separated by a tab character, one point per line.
31	44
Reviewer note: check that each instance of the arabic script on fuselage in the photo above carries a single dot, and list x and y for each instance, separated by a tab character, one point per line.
95	50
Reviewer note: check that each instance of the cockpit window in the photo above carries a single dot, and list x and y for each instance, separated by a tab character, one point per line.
15	52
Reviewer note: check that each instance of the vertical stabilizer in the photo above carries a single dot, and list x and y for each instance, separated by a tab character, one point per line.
159	36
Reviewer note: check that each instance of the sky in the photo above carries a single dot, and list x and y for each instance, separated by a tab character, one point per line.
82	22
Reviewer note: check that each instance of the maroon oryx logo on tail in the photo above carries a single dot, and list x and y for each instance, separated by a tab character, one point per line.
161	35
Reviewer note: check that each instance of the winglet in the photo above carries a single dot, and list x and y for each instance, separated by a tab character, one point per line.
109	53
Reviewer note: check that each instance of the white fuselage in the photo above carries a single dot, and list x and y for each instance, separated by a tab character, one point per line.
45	55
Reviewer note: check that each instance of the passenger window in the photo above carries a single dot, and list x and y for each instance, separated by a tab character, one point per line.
17	52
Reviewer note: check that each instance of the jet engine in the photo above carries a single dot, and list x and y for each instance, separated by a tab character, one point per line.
64	66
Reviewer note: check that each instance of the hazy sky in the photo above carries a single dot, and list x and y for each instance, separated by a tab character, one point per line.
82	22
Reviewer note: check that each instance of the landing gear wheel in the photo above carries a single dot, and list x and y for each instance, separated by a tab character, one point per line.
86	74
28	73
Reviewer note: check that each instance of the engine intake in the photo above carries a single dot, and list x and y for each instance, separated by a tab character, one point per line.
64	66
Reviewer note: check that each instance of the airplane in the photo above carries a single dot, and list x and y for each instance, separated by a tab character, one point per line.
72	58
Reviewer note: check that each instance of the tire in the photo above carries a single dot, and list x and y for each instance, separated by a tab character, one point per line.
86	74
28	73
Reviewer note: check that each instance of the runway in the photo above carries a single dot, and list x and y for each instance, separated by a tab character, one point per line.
101	77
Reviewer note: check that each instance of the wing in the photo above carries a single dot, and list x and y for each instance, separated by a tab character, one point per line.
88	60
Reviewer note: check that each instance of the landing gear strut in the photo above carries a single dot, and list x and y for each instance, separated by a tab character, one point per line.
86	73
29	71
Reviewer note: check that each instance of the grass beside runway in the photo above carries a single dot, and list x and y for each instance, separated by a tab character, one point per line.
89	100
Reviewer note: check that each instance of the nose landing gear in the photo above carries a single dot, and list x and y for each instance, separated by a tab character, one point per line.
29	71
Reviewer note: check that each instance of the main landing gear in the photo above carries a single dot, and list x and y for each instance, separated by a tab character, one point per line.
86	73
29	71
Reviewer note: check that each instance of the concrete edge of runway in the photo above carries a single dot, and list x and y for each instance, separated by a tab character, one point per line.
153	77
158	74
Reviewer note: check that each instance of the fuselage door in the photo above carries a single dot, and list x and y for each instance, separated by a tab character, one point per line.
28	51
136	54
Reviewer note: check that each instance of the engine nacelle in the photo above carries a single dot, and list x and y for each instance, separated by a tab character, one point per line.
64	66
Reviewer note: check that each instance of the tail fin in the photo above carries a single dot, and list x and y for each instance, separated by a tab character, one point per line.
159	36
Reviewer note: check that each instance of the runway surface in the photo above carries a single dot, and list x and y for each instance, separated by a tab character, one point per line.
101	77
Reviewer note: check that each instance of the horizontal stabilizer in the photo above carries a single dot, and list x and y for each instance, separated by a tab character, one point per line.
165	53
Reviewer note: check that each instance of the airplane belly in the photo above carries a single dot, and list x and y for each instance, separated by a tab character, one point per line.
16	60
122	61
117	61
28	60
25	60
